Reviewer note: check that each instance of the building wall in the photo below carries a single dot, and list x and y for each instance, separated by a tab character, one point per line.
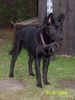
67	7
42	10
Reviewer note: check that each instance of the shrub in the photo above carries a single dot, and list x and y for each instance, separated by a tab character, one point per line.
17	10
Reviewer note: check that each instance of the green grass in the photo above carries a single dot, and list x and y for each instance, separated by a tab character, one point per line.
60	68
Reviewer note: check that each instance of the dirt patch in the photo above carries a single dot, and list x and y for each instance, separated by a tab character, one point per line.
11	84
67	84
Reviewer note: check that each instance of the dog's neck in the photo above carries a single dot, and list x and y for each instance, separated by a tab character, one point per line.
46	40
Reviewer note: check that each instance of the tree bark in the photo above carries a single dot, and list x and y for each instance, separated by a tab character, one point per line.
42	10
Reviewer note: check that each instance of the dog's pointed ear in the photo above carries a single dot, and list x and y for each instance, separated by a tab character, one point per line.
60	18
59	21
49	20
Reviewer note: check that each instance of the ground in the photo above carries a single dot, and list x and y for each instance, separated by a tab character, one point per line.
61	75
68	84
11	84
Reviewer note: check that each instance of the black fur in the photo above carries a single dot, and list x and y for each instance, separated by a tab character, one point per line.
29	37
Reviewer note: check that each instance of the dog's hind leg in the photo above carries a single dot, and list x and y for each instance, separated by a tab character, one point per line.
30	61
16	52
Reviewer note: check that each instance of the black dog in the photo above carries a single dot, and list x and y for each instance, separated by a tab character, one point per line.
38	41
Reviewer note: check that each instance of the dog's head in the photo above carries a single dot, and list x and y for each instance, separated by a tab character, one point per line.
54	26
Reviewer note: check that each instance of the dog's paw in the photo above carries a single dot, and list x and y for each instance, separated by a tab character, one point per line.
47	83
39	85
31	74
11	75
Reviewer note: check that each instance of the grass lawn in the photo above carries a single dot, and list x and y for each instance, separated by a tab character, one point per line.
63	68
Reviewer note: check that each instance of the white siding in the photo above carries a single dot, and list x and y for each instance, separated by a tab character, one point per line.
49	7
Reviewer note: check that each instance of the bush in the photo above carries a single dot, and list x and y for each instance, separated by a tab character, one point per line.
17	10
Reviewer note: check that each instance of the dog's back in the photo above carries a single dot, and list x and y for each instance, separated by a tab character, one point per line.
25	37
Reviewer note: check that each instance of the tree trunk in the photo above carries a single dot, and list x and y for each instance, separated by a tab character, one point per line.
42	10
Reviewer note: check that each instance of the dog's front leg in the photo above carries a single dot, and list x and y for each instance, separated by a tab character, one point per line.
45	70
38	73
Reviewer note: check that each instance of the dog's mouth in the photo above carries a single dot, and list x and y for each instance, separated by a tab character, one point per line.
45	44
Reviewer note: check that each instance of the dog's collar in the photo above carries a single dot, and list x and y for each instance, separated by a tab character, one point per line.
47	45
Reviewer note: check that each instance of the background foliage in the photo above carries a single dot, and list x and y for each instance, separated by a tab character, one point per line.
17	10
